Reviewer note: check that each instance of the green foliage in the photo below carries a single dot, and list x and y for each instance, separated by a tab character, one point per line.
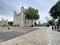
55	10
51	22
10	23
32	13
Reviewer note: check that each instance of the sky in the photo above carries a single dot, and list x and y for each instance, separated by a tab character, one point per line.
7	7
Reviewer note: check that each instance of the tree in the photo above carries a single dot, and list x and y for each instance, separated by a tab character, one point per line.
32	14
51	22
55	11
10	23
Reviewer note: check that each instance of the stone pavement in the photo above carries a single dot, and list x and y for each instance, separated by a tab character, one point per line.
41	36
53	37
37	37
7	34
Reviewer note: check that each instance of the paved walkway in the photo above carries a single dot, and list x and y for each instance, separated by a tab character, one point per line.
42	36
53	37
7	34
38	37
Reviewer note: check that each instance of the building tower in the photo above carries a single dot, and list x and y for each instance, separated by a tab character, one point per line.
14	19
22	17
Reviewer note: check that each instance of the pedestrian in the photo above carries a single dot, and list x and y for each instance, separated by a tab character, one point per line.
52	28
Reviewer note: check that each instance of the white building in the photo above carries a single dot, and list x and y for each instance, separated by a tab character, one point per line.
3	22
19	19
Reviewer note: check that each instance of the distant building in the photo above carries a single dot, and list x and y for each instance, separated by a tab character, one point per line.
3	22
19	19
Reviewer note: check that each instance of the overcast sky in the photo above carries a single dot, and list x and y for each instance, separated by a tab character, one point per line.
7	7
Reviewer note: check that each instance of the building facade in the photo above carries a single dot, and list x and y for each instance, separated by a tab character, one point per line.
19	19
3	22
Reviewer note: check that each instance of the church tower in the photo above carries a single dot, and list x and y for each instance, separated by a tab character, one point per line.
14	19
22	16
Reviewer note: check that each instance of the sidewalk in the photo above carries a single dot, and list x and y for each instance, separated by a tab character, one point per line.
38	37
42	36
53	37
